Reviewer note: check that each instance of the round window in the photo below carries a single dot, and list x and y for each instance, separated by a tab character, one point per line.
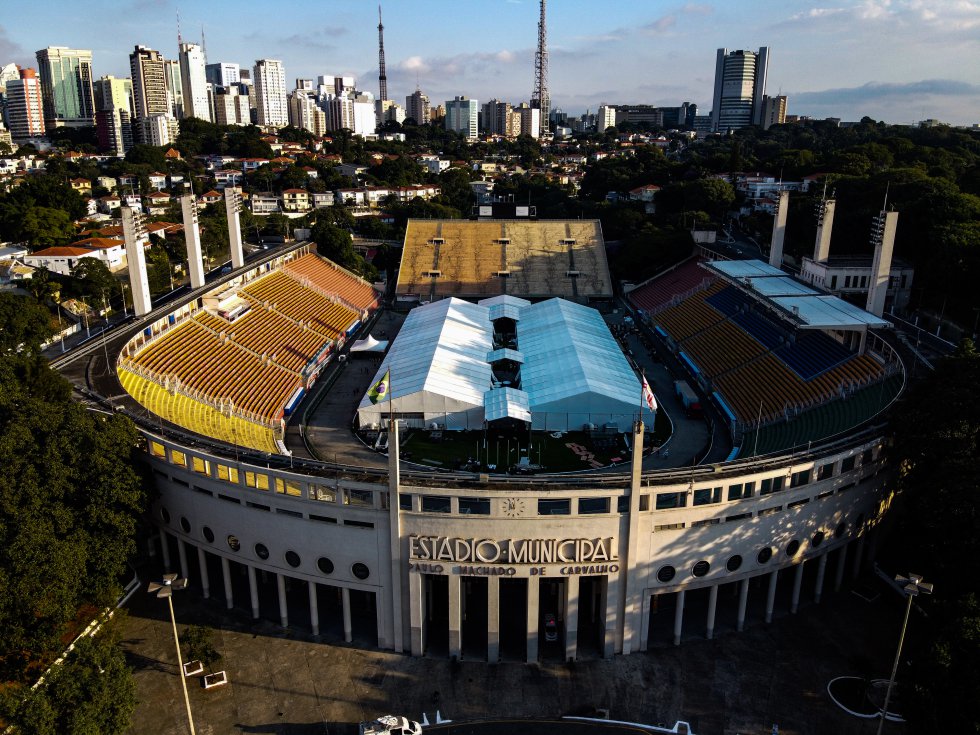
734	563
817	539
666	573
324	565
765	554
292	559
840	530
233	543
360	571
792	547
185	525
261	551
164	515
701	568
208	534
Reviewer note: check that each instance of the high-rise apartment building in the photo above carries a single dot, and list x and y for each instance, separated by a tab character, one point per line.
605	118
66	86
269	78
462	116
740	84
175	88
528	120
498	119
773	111
231	107
114	114
355	112
304	113
149	83
25	106
417	107
222	74
194	83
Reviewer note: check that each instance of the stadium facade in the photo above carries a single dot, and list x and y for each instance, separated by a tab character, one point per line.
455	563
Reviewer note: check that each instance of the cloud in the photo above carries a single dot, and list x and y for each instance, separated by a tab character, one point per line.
873	92
921	16
12	51
658	26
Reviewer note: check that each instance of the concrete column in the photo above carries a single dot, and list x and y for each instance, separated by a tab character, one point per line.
345	603
712	607
797	584
182	554
314	610
416	611
165	550
632	602
571	617
380	622
395	540
779	231
283	610
743	601
679	618
858	554
133	233
202	562
233	205
825	223
493	619
253	592
532	619
839	572
771	597
151	548
455	617
883	238
645	622
611	601
192	238
226	576
821	570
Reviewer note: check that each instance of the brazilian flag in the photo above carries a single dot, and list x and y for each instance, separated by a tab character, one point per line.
379	391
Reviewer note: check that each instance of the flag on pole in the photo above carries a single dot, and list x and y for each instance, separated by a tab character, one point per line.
648	396
379	391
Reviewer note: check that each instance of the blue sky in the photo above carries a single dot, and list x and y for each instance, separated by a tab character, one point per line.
895	60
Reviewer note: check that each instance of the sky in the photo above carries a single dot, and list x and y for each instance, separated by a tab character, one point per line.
893	60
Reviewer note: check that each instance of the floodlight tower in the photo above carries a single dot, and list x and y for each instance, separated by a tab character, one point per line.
540	98
382	77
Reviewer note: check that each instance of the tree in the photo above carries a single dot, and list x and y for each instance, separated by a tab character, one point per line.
95	282
91	693
936	444
334	243
70	496
26	324
200	645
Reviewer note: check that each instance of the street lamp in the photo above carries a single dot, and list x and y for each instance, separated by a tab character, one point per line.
165	589
912	585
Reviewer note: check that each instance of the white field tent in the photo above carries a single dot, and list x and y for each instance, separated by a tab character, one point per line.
574	370
439	369
573	375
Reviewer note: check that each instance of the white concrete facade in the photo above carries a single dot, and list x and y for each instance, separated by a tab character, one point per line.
622	569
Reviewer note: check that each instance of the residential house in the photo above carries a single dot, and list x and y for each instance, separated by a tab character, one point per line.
82	186
295	200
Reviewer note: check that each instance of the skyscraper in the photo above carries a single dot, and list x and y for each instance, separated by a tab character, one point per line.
149	83
740	84
194	82
114	114
175	88
222	74
25	106
66	86
462	115
270	93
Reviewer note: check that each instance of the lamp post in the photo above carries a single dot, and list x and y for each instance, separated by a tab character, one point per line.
912	585
165	589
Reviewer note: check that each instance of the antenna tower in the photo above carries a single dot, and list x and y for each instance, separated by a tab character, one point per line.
179	39
540	97
382	77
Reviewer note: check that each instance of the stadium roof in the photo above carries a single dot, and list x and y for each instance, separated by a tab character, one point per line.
810	308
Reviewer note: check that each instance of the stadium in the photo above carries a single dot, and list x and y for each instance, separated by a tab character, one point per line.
283	490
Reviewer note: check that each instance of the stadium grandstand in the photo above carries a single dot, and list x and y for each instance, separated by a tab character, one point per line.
529	259
233	364
770	349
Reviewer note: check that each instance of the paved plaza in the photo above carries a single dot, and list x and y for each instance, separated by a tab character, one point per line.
284	682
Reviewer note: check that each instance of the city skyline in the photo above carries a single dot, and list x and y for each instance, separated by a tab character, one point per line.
894	60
